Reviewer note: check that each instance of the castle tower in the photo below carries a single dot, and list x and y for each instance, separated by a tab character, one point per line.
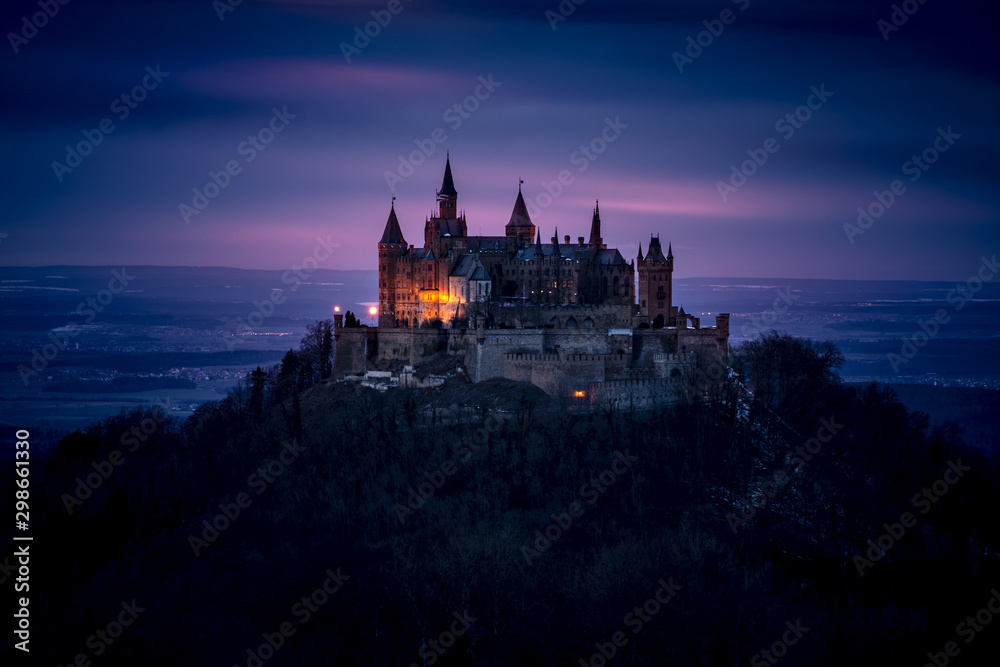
520	225
390	248
446	225
654	295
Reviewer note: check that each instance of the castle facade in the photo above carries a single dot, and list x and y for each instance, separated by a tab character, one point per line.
568	316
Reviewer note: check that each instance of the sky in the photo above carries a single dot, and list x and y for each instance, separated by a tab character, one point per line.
252	134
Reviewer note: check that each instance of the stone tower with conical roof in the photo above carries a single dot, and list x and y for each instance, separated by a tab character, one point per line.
391	247
520	225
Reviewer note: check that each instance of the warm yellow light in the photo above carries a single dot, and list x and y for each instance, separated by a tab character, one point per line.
336	309
373	310
578	394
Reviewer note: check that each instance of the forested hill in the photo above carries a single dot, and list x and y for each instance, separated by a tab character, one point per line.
513	531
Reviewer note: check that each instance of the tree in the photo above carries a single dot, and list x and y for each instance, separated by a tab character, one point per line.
316	352
258	379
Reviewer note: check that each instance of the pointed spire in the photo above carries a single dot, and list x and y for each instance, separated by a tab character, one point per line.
538	243
670	251
519	216
639	257
448	184
555	245
392	233
595	226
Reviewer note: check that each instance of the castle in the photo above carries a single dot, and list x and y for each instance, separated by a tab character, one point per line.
568	317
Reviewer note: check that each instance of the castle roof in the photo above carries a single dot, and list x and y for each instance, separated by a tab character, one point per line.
392	233
479	273
609	256
449	226
448	184
469	266
519	216
528	253
486	242
655	253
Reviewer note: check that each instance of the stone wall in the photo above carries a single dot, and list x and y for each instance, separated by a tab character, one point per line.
638	366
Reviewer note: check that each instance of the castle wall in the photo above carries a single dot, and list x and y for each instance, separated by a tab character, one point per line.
638	394
556	374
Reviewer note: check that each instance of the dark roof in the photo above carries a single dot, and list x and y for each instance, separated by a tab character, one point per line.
392	233
464	265
609	256
528	253
486	243
519	216
449	226
655	253
448	184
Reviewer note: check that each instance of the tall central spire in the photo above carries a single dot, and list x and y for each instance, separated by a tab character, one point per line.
448	195
595	227
448	184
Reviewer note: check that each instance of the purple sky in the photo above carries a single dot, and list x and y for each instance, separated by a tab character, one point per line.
324	173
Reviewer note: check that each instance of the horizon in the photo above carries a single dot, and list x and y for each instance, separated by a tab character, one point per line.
375	271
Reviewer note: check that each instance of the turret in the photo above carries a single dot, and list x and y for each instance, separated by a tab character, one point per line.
520	225
655	271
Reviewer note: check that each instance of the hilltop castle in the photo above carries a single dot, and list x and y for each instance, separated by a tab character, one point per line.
569	317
